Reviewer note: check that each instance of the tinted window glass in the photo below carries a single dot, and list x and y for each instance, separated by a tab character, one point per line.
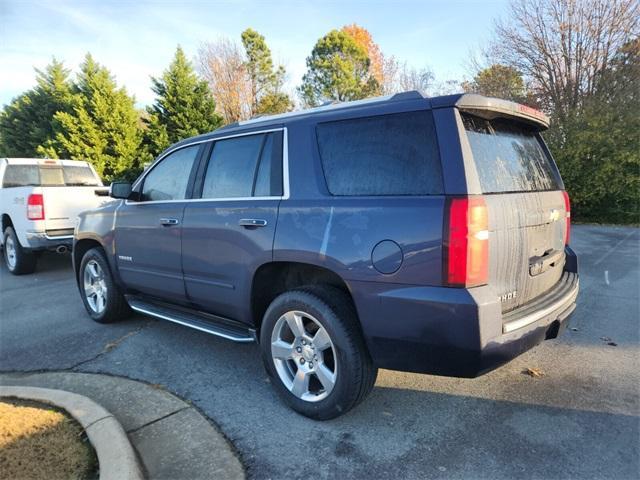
269	177
384	155
169	179
20	176
509	156
232	167
51	177
78	176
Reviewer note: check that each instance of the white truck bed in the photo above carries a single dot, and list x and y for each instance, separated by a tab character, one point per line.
67	188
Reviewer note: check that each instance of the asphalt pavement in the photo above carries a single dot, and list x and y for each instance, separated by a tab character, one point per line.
581	419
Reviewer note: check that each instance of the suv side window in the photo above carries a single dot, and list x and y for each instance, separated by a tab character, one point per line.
169	178
394	154
245	166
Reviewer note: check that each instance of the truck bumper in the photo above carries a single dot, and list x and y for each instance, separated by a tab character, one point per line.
42	241
458	332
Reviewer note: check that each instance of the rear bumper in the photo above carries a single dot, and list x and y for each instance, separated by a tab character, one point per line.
44	241
458	332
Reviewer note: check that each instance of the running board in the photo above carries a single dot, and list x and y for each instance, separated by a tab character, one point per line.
199	321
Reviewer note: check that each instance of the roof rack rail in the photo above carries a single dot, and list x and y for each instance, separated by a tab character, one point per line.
410	95
230	125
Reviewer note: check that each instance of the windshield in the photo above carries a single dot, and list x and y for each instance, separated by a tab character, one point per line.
509	156
49	176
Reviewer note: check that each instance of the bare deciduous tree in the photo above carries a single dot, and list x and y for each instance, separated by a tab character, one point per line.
222	64
401	77
563	46
411	78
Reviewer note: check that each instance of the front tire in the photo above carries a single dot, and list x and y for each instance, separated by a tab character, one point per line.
313	349
17	259
102	298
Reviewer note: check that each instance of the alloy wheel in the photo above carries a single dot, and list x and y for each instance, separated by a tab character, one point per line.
10	252
95	286
304	356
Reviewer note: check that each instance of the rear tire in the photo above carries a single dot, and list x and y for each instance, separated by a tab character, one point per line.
18	260
328	335
103	299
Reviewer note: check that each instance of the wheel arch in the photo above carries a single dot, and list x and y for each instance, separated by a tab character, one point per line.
6	221
273	278
81	247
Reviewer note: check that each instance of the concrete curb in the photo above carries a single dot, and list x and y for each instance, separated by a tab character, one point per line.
116	456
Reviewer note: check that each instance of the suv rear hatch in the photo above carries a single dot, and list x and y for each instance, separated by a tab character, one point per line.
526	203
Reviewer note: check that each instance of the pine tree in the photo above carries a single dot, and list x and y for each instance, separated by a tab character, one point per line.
266	81
102	126
184	106
338	69
501	81
27	122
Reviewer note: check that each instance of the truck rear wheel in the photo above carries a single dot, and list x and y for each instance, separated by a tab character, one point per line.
17	259
313	350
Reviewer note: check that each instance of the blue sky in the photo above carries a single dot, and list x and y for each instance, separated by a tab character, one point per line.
136	39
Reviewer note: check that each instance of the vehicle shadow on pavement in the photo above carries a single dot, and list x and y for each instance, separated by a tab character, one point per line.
463	436
412	426
48	262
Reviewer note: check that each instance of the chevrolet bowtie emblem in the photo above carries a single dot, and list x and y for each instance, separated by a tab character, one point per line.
554	215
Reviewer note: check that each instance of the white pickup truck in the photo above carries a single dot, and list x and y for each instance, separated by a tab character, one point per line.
39	201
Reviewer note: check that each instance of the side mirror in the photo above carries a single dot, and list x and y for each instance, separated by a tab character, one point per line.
120	190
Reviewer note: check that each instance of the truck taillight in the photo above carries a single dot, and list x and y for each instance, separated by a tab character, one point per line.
466	248
35	207
567	208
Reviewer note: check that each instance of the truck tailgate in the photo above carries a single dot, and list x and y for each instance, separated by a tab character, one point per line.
63	204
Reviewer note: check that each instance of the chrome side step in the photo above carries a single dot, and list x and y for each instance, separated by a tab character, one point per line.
203	322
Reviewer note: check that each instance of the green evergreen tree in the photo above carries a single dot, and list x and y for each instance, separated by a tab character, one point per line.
499	81
27	122
597	146
266	80
338	70
102	126
184	106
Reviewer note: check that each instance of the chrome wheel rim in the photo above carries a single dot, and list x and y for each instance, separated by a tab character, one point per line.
304	356
95	286
10	253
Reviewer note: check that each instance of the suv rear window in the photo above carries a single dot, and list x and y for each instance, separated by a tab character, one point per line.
509	156
48	176
393	154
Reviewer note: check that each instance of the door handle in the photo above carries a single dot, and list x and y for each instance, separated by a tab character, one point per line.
167	222
252	222
538	265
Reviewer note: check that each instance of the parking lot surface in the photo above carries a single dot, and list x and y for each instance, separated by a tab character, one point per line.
581	419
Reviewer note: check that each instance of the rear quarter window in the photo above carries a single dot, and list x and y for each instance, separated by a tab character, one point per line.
509	156
394	154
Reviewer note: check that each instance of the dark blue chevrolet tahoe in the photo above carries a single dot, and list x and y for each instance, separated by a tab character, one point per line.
419	234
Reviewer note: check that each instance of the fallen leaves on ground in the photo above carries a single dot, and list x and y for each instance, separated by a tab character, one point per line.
534	372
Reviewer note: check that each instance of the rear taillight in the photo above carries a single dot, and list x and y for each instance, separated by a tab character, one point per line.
466	249
567	208
35	207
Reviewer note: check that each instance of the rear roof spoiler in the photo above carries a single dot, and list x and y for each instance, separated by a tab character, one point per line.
490	108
